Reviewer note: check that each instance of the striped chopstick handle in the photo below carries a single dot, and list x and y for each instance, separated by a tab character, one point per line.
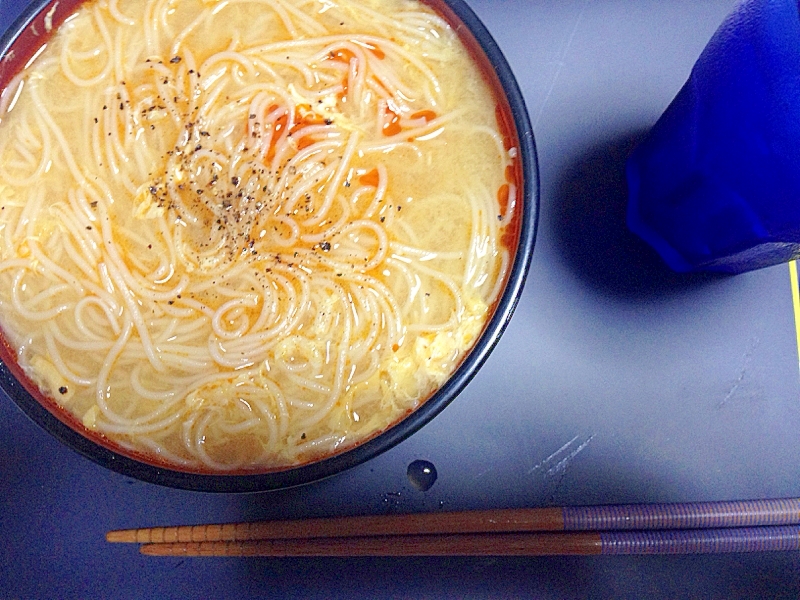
701	541
695	515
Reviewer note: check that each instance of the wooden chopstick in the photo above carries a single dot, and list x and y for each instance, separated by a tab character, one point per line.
690	541
698	515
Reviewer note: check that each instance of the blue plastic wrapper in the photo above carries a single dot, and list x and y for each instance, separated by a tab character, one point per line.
716	184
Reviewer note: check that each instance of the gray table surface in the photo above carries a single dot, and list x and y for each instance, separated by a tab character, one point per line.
616	381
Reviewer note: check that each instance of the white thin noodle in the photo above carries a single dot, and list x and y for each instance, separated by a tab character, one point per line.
247	240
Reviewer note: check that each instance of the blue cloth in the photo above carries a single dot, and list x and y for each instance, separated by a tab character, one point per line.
716	184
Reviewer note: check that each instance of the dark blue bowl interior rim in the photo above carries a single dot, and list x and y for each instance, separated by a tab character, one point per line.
241	483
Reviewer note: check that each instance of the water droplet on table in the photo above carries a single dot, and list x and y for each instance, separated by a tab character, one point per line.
422	474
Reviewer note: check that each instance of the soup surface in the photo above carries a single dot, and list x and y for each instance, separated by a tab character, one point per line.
246	234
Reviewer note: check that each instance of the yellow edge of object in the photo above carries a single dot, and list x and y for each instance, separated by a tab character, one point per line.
795	301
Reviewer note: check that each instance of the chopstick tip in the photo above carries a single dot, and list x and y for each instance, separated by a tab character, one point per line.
125	536
178	549
153	550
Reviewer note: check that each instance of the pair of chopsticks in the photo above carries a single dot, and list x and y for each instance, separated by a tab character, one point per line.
680	528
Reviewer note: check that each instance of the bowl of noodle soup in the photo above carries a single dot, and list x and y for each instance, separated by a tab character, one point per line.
248	244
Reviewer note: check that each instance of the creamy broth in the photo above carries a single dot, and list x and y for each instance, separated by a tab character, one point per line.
247	234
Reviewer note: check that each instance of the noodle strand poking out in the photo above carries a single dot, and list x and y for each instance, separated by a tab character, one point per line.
243	235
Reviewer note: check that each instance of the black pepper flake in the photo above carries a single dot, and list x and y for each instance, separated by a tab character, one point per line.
175	60
325	246
499	217
122	106
63	389
398	208
252	116
89	227
383	219
235	180
303	436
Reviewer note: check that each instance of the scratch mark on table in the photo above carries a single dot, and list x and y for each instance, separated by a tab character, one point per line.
482	473
561	61
562	464
550	458
559	460
742	372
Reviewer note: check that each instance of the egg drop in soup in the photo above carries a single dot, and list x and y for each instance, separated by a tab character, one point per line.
243	235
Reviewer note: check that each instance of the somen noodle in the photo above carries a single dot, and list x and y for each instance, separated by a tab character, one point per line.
246	234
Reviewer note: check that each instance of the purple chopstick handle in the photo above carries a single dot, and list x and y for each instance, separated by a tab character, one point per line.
701	541
696	515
